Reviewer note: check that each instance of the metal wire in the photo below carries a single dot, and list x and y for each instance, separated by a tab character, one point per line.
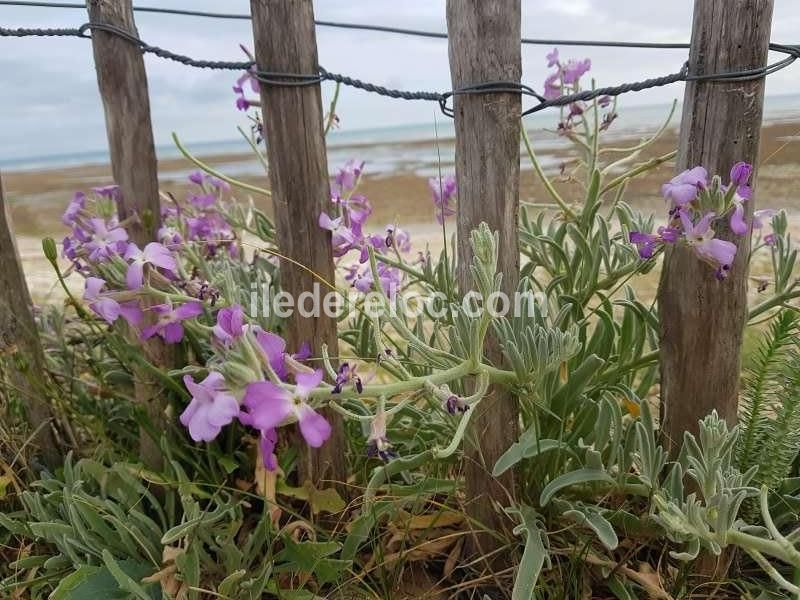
357	26
300	79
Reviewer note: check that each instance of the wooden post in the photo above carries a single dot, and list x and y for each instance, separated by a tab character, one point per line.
702	319
19	343
484	45
122	80
123	87
285	42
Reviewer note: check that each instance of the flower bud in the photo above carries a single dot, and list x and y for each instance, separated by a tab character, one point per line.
237	375
49	248
740	173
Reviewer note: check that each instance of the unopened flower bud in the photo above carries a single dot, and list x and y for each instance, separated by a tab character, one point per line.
740	173
49	248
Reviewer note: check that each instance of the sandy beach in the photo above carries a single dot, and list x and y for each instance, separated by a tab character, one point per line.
37	197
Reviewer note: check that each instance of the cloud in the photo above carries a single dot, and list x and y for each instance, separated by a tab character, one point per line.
571	8
50	102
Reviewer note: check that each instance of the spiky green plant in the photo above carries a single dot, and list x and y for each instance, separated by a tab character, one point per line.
770	410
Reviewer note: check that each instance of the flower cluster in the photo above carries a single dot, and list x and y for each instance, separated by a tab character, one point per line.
444	191
116	268
252	378
200	219
247	80
564	80
348	234
147	286
249	376
696	206
247	381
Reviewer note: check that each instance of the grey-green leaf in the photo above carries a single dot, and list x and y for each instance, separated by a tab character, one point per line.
572	478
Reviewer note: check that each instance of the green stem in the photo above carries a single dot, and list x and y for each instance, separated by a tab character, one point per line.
419	275
78	306
392	389
568	212
214	172
595	152
254	147
643	361
638	170
650	140
332	109
773	302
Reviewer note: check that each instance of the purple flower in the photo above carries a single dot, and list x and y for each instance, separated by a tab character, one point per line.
356	208
443	191
248	76
201	179
348	175
304	353
683	188
153	254
576	109
203	200
574	69
455	405
397	238
389	279
266	444
74	208
345	375
759	217
108	191
669	235
213	230
646	243
700	236
552	57
107	307
242	103
106	240
737	223
230	324
378	445
211	408
343	238
740	173
170	237
552	86
168	326
274	348
269	405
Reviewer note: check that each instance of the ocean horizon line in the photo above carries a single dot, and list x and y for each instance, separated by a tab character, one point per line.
639	117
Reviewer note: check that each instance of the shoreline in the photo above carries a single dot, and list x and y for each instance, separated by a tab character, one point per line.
402	197
37	197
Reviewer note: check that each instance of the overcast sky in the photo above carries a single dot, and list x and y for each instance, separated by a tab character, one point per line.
50	102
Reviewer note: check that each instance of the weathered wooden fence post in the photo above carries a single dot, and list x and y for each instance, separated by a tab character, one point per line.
702	319
19	342
122	80
484	45
285	42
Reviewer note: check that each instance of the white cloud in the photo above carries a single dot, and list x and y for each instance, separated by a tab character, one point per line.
571	8
49	84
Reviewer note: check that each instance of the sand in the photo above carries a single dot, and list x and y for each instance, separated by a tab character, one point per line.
37	198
